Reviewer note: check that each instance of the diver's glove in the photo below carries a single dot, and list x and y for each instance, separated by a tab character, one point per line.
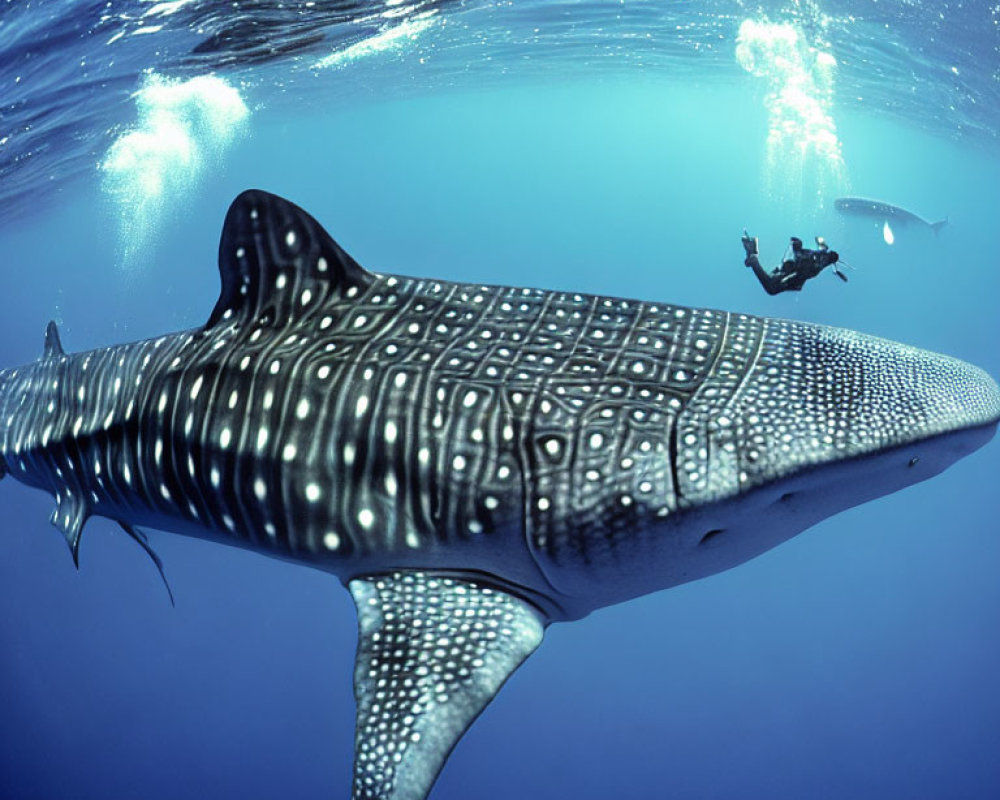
749	244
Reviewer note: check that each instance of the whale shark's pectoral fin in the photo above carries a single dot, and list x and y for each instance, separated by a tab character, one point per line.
432	652
69	517
53	345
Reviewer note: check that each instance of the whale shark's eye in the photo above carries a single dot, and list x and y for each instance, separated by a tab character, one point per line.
914	461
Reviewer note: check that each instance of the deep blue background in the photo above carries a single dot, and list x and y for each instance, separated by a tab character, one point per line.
858	660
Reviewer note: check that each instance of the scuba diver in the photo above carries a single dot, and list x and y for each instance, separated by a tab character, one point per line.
795	271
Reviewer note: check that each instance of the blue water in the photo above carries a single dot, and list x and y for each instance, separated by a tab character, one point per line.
562	145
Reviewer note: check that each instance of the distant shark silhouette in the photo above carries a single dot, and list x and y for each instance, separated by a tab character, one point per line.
473	462
884	212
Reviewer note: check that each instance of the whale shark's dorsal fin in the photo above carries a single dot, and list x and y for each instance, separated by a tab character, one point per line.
432	652
277	263
53	346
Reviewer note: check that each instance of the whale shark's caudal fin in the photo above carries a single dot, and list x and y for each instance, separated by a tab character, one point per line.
276	262
432	652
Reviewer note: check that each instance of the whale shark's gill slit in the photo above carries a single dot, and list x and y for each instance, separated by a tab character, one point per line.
712	534
672	458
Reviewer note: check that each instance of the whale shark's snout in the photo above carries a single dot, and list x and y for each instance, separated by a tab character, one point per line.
790	423
785	398
953	396
819	394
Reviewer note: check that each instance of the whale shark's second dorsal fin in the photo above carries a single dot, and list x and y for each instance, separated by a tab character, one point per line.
53	346
277	263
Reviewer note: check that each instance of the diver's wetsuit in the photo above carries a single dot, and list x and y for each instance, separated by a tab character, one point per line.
792	274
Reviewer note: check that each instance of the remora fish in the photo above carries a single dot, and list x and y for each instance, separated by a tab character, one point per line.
884	212
473	462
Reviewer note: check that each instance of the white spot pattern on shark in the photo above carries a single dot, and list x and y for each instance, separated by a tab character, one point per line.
473	462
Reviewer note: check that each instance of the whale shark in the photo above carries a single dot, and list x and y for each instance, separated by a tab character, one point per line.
474	463
884	212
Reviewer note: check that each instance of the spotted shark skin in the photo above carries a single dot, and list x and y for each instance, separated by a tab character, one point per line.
473	462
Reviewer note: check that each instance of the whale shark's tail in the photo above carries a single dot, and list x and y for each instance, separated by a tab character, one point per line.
937	226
